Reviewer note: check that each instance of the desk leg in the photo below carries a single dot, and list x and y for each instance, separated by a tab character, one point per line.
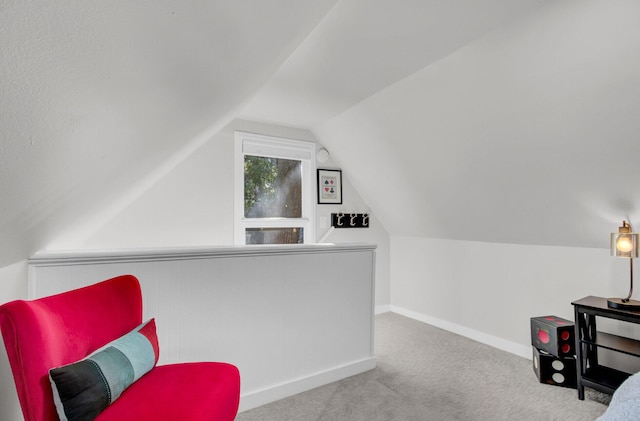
581	362
586	354
590	335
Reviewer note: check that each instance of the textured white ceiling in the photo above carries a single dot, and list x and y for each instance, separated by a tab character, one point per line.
526	135
363	46
494	120
98	98
489	121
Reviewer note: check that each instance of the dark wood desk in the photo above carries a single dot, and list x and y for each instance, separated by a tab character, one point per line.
589	340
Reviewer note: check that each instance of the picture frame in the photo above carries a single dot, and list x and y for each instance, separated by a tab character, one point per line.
329	186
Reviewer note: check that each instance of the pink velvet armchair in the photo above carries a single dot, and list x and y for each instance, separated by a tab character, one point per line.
61	329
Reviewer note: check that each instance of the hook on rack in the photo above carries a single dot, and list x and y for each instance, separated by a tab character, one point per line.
350	220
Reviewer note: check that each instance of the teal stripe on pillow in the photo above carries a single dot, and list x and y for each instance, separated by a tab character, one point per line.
116	369
139	351
84	389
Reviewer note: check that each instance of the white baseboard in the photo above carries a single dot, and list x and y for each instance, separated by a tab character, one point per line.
476	335
261	397
383	309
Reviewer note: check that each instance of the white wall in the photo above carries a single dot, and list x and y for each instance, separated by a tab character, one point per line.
490	291
193	206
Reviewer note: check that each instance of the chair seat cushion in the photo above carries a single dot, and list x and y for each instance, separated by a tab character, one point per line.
186	391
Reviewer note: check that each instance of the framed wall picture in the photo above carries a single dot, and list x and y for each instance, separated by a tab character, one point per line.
329	187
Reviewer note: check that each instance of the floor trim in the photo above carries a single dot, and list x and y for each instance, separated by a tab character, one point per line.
476	335
283	390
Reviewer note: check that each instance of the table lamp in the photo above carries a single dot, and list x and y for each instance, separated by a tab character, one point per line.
624	243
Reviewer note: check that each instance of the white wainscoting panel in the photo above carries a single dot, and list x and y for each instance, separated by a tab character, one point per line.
290	317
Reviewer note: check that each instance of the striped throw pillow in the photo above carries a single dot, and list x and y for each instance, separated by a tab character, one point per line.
85	388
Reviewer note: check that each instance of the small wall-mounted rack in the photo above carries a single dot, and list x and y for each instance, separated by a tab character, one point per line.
350	220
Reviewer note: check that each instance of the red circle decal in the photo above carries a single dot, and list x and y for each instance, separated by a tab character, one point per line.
543	336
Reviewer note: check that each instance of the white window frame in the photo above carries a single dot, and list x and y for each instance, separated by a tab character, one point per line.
275	147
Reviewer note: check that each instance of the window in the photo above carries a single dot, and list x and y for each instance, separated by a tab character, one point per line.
273	190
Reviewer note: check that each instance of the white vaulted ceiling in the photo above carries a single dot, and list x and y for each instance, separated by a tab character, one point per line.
489	121
364	46
526	135
99	99
494	120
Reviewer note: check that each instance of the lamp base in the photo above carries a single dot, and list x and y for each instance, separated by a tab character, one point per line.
624	304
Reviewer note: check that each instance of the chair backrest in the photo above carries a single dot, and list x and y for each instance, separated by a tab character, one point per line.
63	328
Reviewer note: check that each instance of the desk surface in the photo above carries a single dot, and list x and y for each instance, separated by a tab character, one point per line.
599	304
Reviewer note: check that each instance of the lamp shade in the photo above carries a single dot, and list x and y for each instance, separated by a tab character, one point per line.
624	243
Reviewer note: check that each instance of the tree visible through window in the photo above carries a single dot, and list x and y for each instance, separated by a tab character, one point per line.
272	187
274	190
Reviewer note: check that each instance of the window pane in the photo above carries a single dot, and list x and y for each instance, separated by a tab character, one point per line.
272	187
274	235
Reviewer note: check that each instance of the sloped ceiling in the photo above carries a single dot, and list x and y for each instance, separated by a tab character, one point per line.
527	133
99	99
363	46
495	120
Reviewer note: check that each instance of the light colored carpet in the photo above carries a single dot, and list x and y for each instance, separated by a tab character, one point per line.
425	373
